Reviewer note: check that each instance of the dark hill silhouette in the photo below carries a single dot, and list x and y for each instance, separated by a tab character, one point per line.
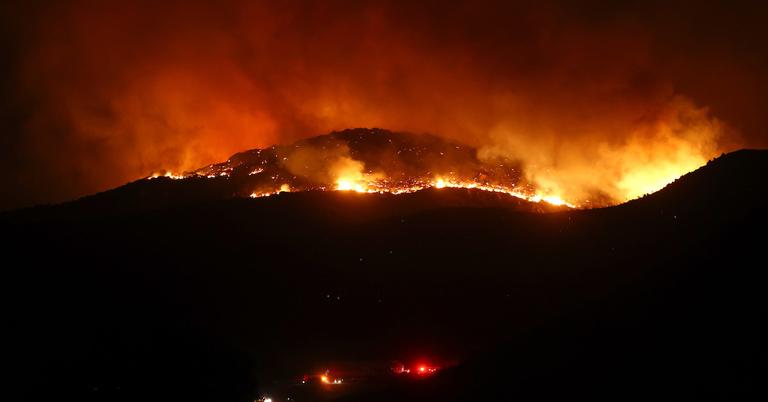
223	299
729	184
163	194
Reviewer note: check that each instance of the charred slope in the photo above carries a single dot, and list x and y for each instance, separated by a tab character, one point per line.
391	159
209	301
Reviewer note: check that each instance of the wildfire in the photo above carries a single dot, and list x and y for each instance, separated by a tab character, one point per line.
551	199
375	184
284	188
169	175
383	162
345	184
386	187
536	197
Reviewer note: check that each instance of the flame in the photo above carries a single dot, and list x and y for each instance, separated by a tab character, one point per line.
170	175
551	199
673	139
284	188
346	184
349	175
641	166
386	187
377	184
234	76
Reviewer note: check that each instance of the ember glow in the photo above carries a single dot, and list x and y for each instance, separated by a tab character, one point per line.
383	187
170	175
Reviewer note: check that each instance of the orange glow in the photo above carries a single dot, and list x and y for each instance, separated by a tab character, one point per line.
591	111
378	183
345	184
383	187
350	176
412	163
327	379
643	165
170	175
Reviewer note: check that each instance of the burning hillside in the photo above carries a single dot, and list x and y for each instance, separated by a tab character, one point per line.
370	161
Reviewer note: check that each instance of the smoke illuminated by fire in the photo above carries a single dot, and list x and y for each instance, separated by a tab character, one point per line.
381	161
643	164
597	107
678	138
371	161
350	176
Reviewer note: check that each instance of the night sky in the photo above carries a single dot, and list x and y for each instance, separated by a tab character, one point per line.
99	93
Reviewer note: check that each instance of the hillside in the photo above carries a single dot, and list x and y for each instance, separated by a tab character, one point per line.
217	300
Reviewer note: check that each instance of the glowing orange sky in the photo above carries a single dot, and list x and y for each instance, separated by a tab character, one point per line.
589	98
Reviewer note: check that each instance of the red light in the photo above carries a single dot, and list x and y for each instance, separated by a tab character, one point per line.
420	369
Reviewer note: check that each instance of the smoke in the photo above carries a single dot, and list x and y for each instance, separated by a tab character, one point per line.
595	101
330	163
654	148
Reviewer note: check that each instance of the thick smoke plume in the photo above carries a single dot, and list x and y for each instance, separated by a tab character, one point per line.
596	101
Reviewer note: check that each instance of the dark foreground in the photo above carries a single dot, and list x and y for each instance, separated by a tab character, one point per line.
660	298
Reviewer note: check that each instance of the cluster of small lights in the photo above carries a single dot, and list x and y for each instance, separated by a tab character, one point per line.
328	380
325	379
426	370
420	370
